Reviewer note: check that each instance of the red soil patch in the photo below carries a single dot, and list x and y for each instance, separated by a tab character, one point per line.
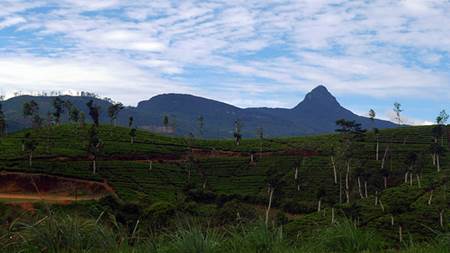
24	187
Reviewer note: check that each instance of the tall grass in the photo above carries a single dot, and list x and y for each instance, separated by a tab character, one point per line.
346	237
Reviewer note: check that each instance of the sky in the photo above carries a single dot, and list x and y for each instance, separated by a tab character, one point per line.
249	53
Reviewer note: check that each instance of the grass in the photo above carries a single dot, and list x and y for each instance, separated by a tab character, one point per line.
221	172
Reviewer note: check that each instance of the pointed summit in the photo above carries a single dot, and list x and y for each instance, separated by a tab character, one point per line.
319	97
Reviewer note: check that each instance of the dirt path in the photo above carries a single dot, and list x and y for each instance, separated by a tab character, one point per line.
47	198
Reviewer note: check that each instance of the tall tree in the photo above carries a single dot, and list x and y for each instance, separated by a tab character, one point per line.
133	135
82	119
372	116
113	112
166	123
237	132
260	135
74	114
130	121
29	145
94	147
200	125
31	110
94	112
2	120
441	120
58	106
274	180
397	110
350	133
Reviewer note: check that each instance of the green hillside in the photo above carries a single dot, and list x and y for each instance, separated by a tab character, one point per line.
160	177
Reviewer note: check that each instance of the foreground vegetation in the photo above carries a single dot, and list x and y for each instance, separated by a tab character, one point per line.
331	193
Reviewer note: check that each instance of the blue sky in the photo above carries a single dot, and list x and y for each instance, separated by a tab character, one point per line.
245	52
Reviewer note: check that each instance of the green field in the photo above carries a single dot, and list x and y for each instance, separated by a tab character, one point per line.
161	179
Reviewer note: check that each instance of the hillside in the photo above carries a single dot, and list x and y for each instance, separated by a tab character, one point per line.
316	114
163	175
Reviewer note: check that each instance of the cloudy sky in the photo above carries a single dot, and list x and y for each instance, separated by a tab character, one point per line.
244	52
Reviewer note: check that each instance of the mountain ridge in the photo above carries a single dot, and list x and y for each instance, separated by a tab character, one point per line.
315	114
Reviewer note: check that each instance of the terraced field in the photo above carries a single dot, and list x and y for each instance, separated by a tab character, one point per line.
163	169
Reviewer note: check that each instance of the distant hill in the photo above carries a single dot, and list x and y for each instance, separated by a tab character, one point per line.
316	114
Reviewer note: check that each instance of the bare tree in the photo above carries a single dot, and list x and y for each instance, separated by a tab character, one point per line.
397	110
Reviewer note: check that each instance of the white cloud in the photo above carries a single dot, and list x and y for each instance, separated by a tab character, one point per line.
11	21
358	47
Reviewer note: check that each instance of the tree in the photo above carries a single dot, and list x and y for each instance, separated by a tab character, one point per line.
130	121
350	133
320	194
442	118
437	151
2	120
410	162
31	110
439	129
94	147
82	119
133	134
113	112
200	125
274	182
372	115
260	135
74	114
237	132
29	146
58	105
397	110
166	123
94	112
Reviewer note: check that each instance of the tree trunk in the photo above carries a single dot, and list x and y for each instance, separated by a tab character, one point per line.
94	166
381	205
30	159
400	233
385	182
433	158
332	215
418	181
441	218
347	185
150	165
347	175
334	169
430	198
392	220
340	188
269	205
319	205
438	164
359	188
384	157
406	177
376	198
377	156
296	174
365	189
411	179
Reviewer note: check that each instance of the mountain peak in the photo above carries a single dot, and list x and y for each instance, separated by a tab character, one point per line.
319	97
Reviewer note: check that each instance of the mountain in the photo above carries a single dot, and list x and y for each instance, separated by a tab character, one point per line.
316	114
